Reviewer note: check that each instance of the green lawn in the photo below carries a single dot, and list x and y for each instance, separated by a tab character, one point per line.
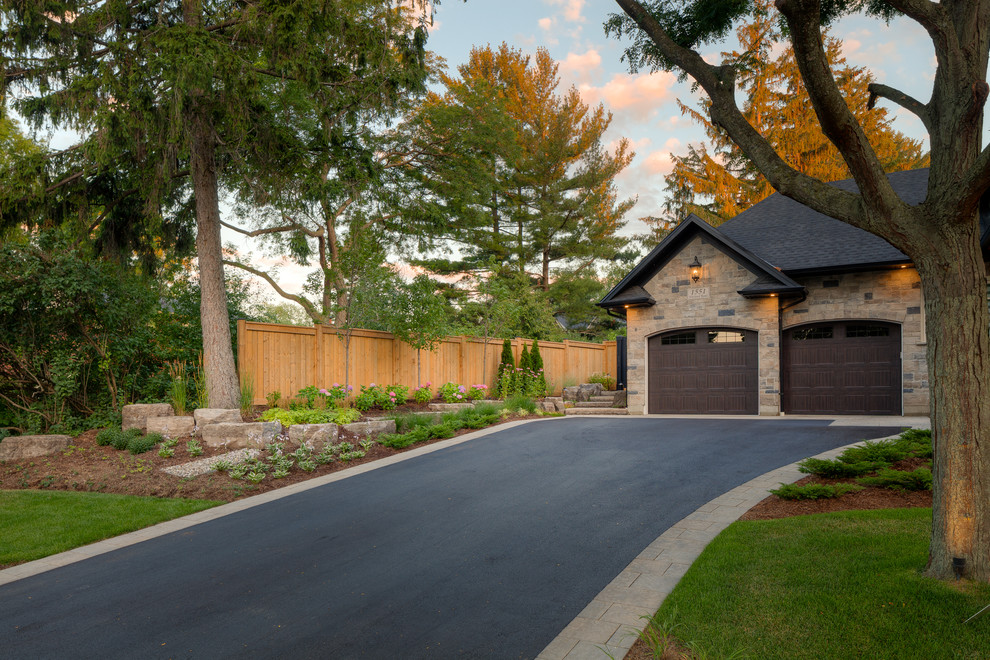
839	585
36	524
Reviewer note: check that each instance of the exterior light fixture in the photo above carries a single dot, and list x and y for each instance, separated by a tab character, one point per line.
695	267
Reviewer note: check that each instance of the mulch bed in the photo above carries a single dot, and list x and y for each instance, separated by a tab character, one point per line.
86	466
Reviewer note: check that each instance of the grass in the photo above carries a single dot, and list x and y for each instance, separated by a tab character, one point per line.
837	585
38	524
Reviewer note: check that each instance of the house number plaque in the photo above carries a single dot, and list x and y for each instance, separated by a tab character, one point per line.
698	292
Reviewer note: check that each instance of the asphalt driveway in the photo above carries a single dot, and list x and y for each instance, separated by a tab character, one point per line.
486	549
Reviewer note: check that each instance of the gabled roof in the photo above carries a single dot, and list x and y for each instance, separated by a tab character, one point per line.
630	292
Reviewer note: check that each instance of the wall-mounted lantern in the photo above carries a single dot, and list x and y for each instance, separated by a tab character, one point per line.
695	267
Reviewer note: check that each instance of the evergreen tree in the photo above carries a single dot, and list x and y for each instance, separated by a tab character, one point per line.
536	366
524	382
506	371
192	95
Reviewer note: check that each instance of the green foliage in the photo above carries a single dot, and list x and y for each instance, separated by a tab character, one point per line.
380	396
452	393
141	444
107	437
311	416
310	393
919	479
247	395
814	491
506	371
606	380
540	387
838	469
423	394
880	451
273	398
520	402
177	388
194	448
524	373
123	440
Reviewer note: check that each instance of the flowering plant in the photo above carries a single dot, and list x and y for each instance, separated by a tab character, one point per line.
477	392
423	394
452	392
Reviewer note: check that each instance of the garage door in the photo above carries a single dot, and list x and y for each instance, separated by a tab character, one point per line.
708	370
848	367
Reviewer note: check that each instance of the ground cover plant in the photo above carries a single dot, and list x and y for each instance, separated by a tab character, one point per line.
74	519
837	585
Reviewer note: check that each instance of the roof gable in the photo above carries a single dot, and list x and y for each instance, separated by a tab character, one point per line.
629	290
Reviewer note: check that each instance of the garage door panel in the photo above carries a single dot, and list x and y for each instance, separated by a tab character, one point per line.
715	374
842	368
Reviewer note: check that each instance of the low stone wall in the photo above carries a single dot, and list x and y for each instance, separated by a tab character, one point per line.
29	446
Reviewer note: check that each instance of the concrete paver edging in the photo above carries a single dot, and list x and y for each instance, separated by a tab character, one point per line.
612	621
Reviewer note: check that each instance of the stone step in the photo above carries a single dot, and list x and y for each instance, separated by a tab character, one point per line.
597	411
593	404
610	392
609	398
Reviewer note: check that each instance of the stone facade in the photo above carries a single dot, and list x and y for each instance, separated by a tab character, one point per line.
887	295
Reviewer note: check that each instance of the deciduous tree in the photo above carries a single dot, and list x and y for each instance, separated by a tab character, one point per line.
941	235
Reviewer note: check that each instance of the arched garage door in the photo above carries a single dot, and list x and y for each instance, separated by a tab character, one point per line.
844	367
706	370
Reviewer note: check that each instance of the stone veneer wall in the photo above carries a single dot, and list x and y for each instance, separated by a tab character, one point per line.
893	295
723	308
888	295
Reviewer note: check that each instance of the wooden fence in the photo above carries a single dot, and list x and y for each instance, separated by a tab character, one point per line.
287	358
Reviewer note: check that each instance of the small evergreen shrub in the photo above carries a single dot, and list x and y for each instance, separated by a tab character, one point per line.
838	469
506	371
903	480
814	491
880	451
311	416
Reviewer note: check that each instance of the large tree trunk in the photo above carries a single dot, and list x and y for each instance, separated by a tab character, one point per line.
955	286
218	356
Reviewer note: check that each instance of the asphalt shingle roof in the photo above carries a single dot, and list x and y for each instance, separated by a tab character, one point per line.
791	236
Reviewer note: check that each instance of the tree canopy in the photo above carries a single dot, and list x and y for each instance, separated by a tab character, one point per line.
941	235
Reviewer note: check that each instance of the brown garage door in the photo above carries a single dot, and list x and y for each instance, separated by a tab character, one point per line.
707	370
846	368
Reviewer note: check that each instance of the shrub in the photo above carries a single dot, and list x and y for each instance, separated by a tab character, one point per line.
106	437
813	491
477	392
311	416
520	402
404	423
838	469
441	431
334	396
272	398
401	393
524	374
423	394
506	370
606	380
122	440
540	387
141	444
880	451
920	479
452	392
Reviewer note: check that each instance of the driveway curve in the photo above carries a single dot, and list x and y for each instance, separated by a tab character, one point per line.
484	549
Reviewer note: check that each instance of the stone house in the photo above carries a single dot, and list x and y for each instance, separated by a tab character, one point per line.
780	310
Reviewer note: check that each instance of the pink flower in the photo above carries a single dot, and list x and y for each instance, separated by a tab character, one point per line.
372	385
323	392
428	383
461	388
336	384
459	396
392	394
349	388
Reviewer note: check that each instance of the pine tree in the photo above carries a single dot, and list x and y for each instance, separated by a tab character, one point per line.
524	380
536	366
716	181
506	371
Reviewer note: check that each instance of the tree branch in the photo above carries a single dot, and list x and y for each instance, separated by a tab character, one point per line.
719	84
305	304
837	121
292	226
906	101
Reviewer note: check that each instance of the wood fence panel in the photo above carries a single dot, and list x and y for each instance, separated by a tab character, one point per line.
288	358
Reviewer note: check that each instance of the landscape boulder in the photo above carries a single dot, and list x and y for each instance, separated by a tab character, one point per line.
171	427
558	403
135	416
546	406
373	426
17	447
240	435
206	416
449	407
314	436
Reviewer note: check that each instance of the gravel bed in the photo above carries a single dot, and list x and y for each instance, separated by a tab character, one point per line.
204	465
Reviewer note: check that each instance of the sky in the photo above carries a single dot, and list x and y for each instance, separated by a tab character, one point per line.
644	105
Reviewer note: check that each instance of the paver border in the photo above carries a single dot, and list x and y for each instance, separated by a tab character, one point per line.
610	624
31	568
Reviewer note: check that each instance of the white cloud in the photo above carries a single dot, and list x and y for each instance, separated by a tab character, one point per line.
572	9
545	23
640	95
658	162
581	68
